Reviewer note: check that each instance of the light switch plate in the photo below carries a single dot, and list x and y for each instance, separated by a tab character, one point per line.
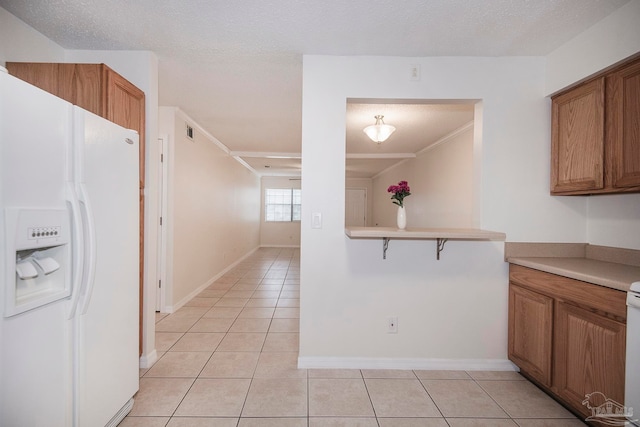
316	220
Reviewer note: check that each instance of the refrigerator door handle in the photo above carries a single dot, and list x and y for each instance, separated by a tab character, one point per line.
77	245
90	248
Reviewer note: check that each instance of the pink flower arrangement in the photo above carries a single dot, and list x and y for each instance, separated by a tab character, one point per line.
399	191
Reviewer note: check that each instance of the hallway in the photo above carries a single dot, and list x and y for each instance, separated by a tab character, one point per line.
229	359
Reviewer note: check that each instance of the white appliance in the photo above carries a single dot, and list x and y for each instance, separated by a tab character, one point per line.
632	370
69	262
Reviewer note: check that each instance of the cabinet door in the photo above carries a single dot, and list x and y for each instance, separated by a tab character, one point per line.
623	125
530	332
589	356
125	106
577	139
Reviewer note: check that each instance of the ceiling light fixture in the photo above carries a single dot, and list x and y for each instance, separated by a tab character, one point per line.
380	131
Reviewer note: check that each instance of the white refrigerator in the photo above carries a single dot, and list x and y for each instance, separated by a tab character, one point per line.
69	210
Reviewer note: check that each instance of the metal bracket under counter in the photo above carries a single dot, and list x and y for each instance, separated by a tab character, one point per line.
439	246
440	235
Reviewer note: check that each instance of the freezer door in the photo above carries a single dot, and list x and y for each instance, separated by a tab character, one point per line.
107	317
35	345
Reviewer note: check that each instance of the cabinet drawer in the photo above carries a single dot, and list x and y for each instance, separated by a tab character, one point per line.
607	302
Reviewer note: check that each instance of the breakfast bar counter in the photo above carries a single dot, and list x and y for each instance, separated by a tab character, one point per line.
440	235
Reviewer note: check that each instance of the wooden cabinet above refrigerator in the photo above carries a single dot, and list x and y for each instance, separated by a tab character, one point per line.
94	87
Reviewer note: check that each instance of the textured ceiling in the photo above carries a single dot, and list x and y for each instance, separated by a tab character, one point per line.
236	66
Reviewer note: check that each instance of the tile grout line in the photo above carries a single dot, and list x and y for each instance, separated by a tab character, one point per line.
496	402
430	397
200	372
373	408
308	397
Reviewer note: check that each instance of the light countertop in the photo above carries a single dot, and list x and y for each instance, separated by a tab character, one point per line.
423	233
441	235
614	268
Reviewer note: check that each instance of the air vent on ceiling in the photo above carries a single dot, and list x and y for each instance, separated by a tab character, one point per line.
189	131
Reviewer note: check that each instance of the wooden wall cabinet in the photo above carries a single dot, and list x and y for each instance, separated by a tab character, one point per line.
623	126
595	134
99	89
567	336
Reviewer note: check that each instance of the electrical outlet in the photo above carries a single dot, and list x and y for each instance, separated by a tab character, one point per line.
414	73
392	325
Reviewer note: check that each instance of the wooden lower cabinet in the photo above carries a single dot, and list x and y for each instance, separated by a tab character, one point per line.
530	332
567	336
589	356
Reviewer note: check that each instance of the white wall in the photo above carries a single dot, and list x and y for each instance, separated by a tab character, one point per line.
21	43
455	308
453	312
278	234
214	208
445	173
441	185
611	40
612	220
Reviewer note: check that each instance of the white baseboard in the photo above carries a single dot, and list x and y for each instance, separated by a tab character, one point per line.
183	301
406	363
147	360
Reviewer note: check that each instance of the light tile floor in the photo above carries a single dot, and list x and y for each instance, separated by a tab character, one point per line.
229	358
